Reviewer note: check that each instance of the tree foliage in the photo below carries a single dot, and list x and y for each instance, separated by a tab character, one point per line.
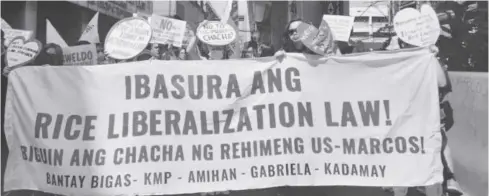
464	47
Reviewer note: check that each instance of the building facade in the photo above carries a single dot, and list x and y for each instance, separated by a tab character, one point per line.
69	17
191	11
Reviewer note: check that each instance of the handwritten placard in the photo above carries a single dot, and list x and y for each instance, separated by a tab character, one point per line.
319	40
167	30
417	28
340	26
80	55
216	33
21	52
127	38
10	34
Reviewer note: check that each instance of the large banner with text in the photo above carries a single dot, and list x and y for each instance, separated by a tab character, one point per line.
170	127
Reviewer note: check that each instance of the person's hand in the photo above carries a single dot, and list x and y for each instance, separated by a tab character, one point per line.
280	55
434	49
6	71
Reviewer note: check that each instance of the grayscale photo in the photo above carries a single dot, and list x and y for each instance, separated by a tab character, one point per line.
244	98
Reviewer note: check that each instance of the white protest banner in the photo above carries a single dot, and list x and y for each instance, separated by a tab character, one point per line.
174	127
216	33
21	52
80	55
127	38
10	34
417	28
90	34
167	30
340	26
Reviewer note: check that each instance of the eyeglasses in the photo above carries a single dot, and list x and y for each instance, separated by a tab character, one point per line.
292	31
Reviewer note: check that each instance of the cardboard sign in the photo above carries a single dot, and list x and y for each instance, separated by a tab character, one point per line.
80	55
319	40
167	30
417	28
10	34
340	26
20	52
127	38
216	33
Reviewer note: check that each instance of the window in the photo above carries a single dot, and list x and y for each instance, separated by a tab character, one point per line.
361	19
379	19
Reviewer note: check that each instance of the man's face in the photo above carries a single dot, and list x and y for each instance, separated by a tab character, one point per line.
154	50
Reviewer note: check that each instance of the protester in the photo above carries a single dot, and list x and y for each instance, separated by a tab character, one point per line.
293	44
101	57
182	54
154	51
446	115
266	50
291	39
52	54
4	147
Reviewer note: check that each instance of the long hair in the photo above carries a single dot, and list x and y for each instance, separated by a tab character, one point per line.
288	44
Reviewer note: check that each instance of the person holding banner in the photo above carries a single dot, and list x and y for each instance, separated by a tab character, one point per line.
293	43
449	185
52	54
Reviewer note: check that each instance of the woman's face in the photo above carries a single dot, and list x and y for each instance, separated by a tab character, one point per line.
182	54
293	35
292	31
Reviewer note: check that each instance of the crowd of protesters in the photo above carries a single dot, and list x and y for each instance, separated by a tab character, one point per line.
52	55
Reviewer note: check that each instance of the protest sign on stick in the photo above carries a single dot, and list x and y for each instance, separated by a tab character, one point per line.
176	127
319	40
167	30
417	28
216	33
80	55
21	52
90	34
127	38
340	26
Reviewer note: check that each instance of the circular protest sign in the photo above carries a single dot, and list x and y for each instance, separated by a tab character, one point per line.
216	33
417	28
127	38
21	52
